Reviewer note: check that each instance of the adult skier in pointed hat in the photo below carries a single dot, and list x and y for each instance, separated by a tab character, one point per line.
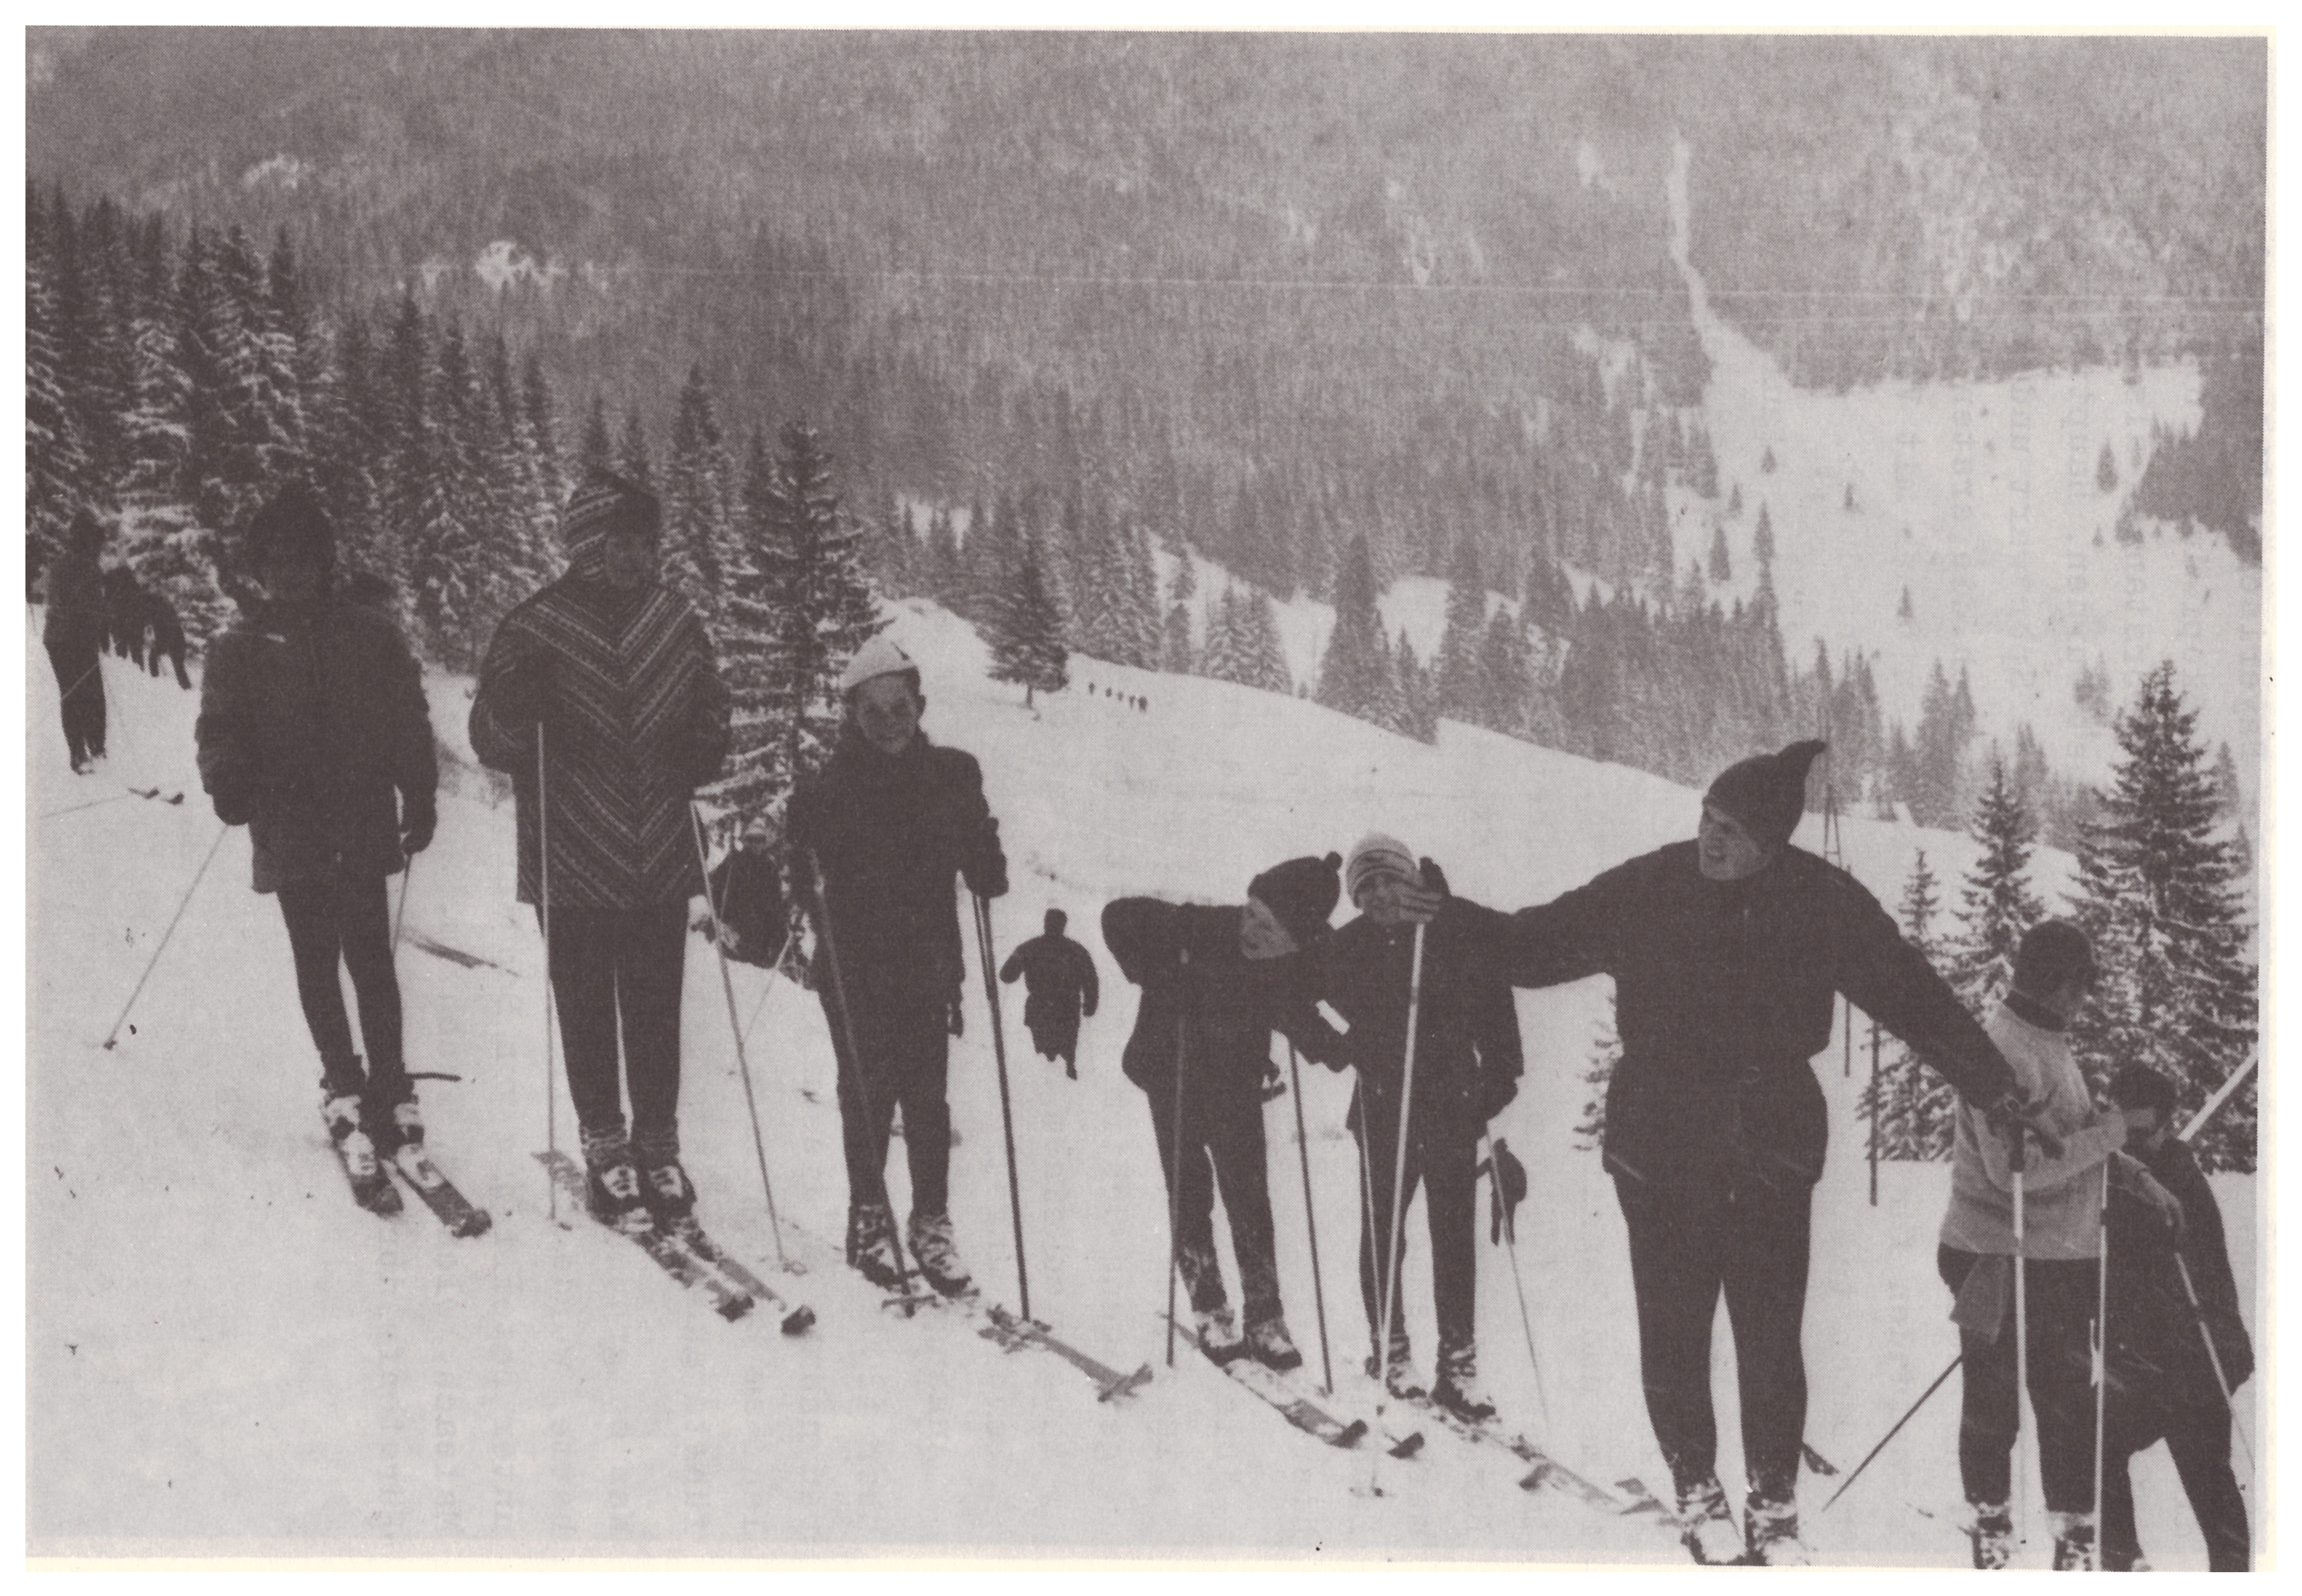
1725	952
890	821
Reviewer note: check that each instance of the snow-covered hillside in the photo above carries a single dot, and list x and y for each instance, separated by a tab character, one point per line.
224	1354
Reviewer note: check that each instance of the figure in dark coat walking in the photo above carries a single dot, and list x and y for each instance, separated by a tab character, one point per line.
74	637
313	732
614	673
1059	986
891	821
1726	953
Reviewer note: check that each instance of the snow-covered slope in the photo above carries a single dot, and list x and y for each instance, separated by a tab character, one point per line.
223	1354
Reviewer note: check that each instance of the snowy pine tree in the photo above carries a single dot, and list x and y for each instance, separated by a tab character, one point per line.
1027	636
1354	673
1459	695
1914	1115
1996	905
697	476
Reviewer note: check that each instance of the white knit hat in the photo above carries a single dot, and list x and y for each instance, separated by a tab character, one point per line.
1376	854
880	657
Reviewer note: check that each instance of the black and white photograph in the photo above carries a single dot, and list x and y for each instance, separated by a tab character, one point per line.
1119	795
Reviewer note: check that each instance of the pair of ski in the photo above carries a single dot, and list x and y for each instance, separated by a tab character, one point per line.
687	1252
1281	1394
1626	1498
379	1195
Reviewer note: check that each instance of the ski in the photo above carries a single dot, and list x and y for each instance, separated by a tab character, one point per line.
1278	1393
673	1259
1016	1333
375	1193
159	794
1545	1470
793	1318
450	1206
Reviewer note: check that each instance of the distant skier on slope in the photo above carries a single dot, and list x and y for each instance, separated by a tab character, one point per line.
2060	1244
313	733
2163	1384
891	819
1725	953
1467	1062
613	671
74	636
1216	982
1059	988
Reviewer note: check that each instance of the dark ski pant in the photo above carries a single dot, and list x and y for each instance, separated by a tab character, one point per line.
81	683
1448	1177
2060	1295
1223	1142
332	922
903	1028
2198	1435
1691	1241
629	964
1056	1038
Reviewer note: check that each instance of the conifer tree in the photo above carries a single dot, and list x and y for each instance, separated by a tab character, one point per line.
1762	537
1459	683
597	450
1915	1117
1722	567
2156	893
1267	652
631	458
697	479
1996	905
1027	638
1354	673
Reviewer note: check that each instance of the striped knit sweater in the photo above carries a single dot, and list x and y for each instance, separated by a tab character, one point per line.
635	718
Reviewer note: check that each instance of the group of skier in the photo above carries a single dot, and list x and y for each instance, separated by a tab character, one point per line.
600	697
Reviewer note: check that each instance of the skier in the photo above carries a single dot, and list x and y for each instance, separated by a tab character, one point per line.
1467	1062
313	732
2060	1244
74	636
752	922
1725	952
2163	1384
890	820
1059	986
606	677
1216	982
161	636
123	614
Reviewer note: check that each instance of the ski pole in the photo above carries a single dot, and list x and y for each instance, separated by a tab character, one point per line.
1398	1201
2022	1330
1006	1112
855	1068
2221	1378
1518	1284
544	913
112	1037
2101	1352
1912	1412
1175	1147
399	916
743	1063
1311	1220
2223	1093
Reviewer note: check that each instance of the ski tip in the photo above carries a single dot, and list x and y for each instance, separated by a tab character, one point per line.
1407	1446
799	1321
1351	1434
734	1308
478	1224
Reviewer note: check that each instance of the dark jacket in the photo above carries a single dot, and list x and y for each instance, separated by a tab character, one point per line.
1058	980
77	615
1723	992
311	718
1468	1057
891	831
2157	1358
635	718
747	902
1220	1005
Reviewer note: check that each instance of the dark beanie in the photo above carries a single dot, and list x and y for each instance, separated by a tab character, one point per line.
2052	952
1302	892
1767	792
291	522
87	531
1056	922
2138	1086
604	502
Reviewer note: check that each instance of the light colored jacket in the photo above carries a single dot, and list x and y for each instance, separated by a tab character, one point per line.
2062	1198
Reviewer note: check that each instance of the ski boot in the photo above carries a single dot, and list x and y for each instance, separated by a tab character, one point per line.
1706	1525
1992	1530
2073	1543
1218	1334
1459	1390
407	1124
937	1256
1772	1530
664	1186
611	1183
1270	1345
1399	1374
371	1183
871	1245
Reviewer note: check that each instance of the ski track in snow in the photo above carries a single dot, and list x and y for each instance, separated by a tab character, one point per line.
224	1355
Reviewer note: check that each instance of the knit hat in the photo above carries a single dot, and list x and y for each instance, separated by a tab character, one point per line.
1767	792
879	657
2138	1086
291	525
604	502
1376	854
1302	892
1056	921
2051	952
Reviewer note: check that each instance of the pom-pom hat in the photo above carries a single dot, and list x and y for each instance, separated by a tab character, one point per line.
1302	892
1767	792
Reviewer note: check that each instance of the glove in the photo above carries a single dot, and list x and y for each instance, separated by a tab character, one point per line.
2162	1202
1505	1191
1435	880
419	817
2014	1112
1496	1093
994	884
523	689
235	803
958	1016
